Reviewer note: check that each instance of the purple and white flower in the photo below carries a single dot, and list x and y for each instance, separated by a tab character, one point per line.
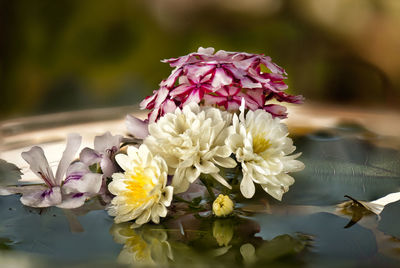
71	185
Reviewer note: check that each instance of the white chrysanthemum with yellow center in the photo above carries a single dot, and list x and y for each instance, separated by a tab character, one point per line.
140	192
192	141
261	145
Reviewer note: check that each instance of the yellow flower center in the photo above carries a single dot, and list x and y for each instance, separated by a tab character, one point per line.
260	144
139	188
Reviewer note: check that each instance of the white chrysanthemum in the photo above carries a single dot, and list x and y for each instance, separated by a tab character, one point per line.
192	141
140	192
261	145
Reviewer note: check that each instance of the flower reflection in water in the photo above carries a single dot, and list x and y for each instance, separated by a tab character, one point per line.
228	241
142	246
223	232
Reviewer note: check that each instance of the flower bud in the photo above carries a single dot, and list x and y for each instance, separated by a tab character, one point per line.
222	206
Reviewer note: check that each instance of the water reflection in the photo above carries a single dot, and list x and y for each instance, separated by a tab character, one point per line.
211	242
147	245
223	231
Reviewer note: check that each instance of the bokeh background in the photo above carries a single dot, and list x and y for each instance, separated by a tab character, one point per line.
72	54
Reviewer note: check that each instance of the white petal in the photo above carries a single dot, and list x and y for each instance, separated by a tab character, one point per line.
168	194
145	217
221	180
72	201
40	198
38	164
124	161
136	127
273	190
206	167
89	156
247	187
73	144
106	141
89	183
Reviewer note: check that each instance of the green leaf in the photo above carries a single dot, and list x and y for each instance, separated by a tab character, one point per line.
9	173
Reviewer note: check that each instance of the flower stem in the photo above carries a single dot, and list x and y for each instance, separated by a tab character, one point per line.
209	189
180	199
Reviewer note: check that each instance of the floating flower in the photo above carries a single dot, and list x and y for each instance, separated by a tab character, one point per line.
140	192
261	145
71	192
192	141
222	206
220	79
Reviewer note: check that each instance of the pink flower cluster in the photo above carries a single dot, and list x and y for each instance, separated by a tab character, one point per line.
221	79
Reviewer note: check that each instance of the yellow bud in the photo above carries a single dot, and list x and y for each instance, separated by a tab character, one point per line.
222	206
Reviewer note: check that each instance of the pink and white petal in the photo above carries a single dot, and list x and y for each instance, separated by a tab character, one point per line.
272	66
73	144
276	110
89	183
254	98
237	73
161	96
38	164
248	83
211	99
195	96
177	62
221	78
136	127
245	63
195	73
39	198
170	82
232	105
168	106
232	90
283	97
183	89
222	55
106	142
206	51
148	102
153	115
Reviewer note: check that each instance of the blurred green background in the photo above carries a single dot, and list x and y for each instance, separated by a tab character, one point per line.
69	54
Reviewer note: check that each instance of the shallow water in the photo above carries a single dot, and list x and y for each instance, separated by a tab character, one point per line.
305	229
